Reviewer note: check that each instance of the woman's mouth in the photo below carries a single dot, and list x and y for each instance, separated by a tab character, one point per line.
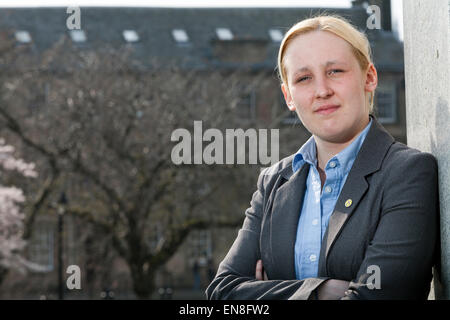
327	109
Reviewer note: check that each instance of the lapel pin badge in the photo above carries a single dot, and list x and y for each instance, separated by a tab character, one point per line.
348	203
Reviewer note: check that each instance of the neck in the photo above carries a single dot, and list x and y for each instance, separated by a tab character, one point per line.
326	149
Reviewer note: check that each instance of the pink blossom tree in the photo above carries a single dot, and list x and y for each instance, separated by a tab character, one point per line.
11	216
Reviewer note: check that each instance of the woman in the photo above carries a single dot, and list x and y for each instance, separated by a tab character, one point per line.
353	214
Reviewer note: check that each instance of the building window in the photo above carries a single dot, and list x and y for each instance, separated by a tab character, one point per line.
385	103
201	246
291	117
224	34
23	36
245	107
41	247
156	237
130	36
248	51
78	36
288	116
180	36
71	245
276	35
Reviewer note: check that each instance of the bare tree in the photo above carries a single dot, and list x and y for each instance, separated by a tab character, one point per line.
102	123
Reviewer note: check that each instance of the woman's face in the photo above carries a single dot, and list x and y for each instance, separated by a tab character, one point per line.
326	86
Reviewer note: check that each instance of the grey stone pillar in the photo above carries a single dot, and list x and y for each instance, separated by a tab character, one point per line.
427	79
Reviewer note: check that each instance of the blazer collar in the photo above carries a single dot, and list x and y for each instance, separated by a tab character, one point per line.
373	149
286	200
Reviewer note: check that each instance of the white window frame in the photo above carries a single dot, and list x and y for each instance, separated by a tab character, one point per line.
78	36
42	247
248	101
276	35
224	34
201	245
180	36
23	36
130	36
389	89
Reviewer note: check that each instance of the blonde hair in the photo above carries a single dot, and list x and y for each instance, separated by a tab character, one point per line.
338	26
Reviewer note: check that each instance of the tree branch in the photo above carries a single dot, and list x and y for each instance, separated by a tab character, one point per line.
37	205
81	168
178	235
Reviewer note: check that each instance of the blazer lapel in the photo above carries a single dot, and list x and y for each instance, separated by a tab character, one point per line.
369	160
354	189
281	223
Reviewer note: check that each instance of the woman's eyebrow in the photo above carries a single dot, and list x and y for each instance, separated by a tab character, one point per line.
303	69
327	64
333	62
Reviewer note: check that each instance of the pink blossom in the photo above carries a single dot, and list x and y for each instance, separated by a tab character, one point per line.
11	217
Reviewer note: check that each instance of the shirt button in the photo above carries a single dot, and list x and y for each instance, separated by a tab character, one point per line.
315	222
332	164
312	257
327	189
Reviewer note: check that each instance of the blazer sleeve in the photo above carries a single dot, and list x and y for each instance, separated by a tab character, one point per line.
399	259
235	278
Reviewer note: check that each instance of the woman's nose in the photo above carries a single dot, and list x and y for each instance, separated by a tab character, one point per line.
323	90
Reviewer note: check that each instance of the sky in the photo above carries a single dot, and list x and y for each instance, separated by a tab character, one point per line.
397	15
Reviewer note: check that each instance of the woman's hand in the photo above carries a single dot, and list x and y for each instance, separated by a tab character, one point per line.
332	289
260	274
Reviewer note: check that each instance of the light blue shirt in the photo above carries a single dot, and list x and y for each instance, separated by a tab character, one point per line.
319	205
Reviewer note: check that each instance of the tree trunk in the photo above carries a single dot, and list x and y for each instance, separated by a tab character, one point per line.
143	281
3	272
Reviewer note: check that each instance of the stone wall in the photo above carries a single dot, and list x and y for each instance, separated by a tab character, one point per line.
427	80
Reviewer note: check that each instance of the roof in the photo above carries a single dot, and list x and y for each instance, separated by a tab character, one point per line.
154	27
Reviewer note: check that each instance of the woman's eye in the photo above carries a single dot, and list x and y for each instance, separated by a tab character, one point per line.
335	71
301	79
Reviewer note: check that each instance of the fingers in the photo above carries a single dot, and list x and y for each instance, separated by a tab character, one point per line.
332	289
259	270
260	274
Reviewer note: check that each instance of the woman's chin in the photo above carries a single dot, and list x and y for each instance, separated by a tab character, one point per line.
335	136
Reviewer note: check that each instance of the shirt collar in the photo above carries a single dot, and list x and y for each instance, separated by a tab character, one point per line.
345	158
307	153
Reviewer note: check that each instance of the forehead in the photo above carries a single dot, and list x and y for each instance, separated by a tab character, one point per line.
317	48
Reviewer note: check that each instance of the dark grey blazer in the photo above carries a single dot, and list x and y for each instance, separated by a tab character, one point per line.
392	223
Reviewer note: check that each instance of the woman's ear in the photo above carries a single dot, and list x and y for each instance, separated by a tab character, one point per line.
371	79
287	97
